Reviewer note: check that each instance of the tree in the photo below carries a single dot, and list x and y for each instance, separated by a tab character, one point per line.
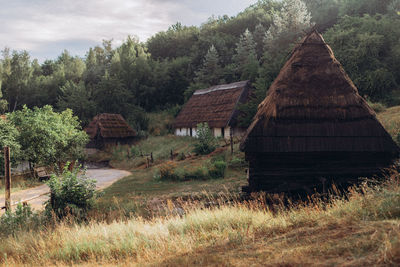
362	7
48	137
288	25
76	97
259	34
206	142
16	77
369	51
9	137
324	13
211	71
245	58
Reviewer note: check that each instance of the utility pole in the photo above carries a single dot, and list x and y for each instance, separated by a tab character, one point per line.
7	177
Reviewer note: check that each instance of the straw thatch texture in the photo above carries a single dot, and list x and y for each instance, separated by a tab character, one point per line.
216	105
109	129
314	106
313	128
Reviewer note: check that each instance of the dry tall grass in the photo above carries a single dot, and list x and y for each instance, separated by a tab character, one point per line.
361	228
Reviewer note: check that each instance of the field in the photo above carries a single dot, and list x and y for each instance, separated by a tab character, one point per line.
362	229
143	220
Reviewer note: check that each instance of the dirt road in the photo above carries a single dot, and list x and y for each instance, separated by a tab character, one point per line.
104	178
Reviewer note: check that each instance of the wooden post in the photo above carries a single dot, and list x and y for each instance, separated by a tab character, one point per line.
231	138
7	177
151	157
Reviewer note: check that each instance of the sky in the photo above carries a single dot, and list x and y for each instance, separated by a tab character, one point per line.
46	27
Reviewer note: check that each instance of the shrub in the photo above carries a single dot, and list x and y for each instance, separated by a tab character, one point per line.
237	162
377	107
167	171
71	193
206	141
217	169
22	218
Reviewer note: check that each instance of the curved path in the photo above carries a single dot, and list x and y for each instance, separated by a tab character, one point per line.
104	177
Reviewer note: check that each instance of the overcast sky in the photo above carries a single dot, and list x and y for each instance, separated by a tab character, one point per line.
46	27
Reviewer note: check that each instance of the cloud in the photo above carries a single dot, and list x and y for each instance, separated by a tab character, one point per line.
42	25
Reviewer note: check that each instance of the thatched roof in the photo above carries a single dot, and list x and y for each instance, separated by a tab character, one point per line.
109	126
216	105
313	106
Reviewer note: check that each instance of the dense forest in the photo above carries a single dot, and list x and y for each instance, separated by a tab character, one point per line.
163	72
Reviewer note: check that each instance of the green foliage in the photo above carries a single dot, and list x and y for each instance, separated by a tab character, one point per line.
210	170
211	71
369	51
237	162
9	136
48	137
22	218
134	77
246	57
377	107
76	97
361	7
71	193
206	142
217	169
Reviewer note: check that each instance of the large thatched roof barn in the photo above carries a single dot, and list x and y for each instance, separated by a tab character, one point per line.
313	127
217	106
107	130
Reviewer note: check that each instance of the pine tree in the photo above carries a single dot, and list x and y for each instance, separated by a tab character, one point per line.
258	35
211	71
245	58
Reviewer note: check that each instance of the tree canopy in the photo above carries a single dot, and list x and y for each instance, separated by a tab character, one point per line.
134	77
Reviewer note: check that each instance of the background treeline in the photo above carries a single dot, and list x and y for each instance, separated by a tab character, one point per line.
162	73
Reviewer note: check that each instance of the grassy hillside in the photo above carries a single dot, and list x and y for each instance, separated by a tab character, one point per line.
144	220
360	229
143	192
390	119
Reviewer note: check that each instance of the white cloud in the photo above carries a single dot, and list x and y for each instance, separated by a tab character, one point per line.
35	25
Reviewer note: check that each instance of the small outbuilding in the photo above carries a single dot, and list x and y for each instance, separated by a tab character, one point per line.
313	128
107	130
217	106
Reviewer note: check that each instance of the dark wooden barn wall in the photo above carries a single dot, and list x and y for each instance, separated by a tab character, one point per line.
307	172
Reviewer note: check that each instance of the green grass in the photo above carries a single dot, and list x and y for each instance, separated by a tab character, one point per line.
390	119
143	191
160	146
20	182
361	229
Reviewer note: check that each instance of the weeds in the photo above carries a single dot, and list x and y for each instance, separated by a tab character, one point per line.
360	229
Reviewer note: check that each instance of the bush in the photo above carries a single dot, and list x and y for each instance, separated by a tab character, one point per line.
377	107
167	171
71	193
206	140
22	218
237	162
217	170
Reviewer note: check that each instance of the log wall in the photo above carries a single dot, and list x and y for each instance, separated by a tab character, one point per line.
310	172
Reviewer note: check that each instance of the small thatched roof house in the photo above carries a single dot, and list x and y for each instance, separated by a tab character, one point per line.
216	106
313	128
109	130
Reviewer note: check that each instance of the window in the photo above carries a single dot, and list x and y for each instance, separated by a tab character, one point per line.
223	132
